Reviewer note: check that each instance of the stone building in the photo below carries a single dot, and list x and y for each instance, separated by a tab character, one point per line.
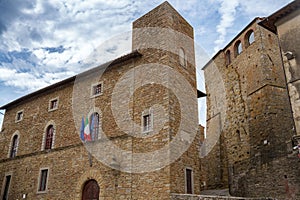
126	129
252	113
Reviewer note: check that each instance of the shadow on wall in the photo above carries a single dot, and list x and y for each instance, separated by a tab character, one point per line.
2	112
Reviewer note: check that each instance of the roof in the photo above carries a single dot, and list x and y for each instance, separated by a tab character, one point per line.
269	22
118	60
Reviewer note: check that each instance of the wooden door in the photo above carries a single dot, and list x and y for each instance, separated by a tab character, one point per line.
90	190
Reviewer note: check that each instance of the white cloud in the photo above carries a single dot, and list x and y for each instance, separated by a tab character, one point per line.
261	8
227	11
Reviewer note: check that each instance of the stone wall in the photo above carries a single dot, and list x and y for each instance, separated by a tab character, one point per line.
204	197
254	113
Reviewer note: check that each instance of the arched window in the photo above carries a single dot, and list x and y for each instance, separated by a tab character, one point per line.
182	57
238	48
14	146
94	126
249	38
49	137
228	57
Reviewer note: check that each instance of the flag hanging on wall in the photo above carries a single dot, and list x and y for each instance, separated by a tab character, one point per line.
87	135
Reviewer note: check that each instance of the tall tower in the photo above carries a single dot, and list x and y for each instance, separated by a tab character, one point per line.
166	41
252	115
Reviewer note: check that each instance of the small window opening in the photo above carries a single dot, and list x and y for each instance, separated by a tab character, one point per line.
53	104
97	89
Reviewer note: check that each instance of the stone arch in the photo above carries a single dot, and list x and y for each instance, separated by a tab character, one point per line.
249	38
51	122
88	175
16	134
238	48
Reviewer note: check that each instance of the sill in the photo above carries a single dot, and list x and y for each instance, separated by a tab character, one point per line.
53	109
42	192
47	150
147	131
96	95
17	121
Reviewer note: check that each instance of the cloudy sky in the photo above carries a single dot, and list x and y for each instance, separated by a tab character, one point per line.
42	42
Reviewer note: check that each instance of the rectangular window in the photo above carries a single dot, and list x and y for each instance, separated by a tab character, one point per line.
147	122
6	187
19	116
97	89
43	180
189	181
53	104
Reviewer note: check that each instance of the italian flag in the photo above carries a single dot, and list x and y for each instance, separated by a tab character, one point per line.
87	135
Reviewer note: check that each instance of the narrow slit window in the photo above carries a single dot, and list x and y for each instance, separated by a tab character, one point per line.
14	147
228	57
189	181
43	180
147	122
6	187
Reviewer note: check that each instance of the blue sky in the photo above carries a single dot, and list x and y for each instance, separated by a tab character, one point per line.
42	42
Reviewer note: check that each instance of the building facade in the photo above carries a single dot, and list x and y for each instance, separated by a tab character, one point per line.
74	140
251	113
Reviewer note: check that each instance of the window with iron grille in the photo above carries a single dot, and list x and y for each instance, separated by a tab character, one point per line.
97	89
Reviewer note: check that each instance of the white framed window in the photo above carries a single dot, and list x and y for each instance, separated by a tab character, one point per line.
189	180
43	180
19	116
147	121
6	186
96	89
53	104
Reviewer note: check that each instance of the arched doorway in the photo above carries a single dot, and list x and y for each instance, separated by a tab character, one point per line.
90	190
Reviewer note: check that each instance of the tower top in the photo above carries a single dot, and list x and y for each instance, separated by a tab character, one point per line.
165	16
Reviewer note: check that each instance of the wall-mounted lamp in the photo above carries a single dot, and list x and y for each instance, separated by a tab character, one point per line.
289	55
